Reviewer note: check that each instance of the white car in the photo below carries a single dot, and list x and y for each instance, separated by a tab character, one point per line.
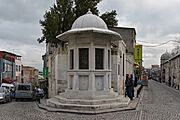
8	86
4	95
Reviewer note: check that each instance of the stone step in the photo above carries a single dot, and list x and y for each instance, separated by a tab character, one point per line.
56	104
90	102
88	95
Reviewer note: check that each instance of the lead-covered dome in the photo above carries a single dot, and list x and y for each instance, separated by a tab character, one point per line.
89	21
90	24
165	56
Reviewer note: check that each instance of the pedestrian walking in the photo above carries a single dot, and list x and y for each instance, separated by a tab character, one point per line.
129	87
132	78
45	92
169	80
135	81
37	95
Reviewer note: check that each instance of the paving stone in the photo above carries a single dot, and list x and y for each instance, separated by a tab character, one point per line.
158	102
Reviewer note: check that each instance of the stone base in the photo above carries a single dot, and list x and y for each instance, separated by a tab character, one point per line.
88	101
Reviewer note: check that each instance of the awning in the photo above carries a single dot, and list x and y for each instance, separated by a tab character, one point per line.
7	80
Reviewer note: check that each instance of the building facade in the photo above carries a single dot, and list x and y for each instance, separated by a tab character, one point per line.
18	64
95	57
57	60
30	75
170	69
7	67
57	63
118	65
129	38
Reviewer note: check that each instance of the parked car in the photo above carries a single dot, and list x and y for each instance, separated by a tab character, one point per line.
4	95
24	91
10	88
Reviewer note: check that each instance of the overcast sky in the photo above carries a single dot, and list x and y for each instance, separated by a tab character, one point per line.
155	21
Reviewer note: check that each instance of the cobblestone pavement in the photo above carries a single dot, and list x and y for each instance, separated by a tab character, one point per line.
30	111
159	102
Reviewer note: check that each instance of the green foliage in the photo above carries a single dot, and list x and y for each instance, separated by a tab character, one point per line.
50	26
61	16
82	6
66	14
57	20
110	18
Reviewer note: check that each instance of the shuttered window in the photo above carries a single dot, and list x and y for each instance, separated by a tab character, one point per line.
99	58
71	59
83	58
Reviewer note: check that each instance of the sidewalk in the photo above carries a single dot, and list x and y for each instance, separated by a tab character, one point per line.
132	106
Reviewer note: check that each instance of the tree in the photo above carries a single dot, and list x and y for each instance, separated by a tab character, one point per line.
82	6
66	14
56	21
61	16
110	18
50	26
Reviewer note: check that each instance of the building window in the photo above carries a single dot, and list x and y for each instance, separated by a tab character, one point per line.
8	67
71	59
99	58
83	58
4	67
118	69
109	59
17	68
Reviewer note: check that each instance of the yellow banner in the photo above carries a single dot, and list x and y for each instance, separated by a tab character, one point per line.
138	52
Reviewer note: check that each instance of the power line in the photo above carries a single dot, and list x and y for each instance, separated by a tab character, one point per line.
158	44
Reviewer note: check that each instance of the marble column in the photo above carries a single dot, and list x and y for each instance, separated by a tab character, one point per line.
91	67
76	66
106	79
68	82
91	82
76	82
106	86
109	81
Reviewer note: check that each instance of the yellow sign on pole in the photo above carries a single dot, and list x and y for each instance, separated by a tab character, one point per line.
138	52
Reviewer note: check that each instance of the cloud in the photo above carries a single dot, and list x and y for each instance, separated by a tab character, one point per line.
31	53
23	11
24	33
20	28
155	21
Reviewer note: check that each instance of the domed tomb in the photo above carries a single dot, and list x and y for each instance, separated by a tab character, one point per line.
89	23
89	20
89	68
165	56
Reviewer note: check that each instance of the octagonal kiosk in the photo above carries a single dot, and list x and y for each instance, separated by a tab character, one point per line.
89	68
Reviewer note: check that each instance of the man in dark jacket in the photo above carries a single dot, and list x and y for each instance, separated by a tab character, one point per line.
129	86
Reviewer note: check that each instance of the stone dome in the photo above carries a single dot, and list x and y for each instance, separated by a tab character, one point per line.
89	21
165	56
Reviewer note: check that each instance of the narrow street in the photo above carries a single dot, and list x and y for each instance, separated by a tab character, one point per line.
159	102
